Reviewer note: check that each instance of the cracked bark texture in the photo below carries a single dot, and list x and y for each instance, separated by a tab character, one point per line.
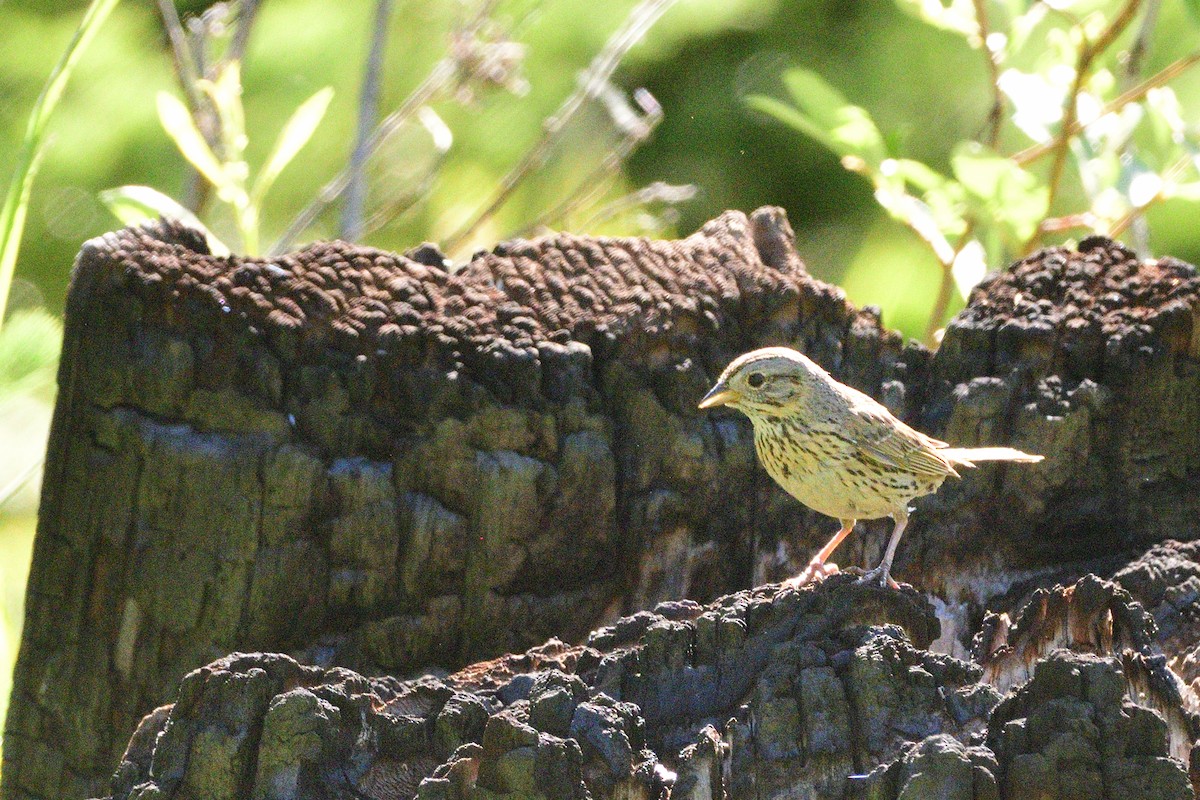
825	692
362	459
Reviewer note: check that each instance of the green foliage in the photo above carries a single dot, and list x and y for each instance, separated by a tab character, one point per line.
29	345
1065	91
29	157
136	204
228	172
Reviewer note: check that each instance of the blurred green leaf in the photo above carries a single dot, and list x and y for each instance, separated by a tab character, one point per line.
295	134
956	15
136	204
177	122
16	200
942	196
29	348
1003	189
824	114
918	216
1193	9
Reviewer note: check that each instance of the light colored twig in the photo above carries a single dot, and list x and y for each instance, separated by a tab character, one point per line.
637	129
996	114
591	83
1136	219
440	78
247	11
351	227
1088	53
658	192
1162	77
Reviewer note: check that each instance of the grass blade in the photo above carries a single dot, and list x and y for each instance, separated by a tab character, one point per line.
16	201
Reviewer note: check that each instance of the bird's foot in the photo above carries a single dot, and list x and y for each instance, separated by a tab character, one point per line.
879	577
815	572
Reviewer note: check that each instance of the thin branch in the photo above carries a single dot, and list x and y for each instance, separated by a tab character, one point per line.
438	79
591	82
1087	54
657	192
351	227
941	303
1133	65
1166	75
442	76
637	130
247	11
996	114
1169	175
10	490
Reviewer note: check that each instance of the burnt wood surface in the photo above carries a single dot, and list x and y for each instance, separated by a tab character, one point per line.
828	692
366	461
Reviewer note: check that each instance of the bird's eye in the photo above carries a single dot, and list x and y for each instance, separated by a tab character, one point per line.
756	380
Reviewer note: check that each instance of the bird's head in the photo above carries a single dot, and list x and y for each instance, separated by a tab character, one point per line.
767	382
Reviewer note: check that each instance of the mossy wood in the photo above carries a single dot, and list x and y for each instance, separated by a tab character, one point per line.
364	460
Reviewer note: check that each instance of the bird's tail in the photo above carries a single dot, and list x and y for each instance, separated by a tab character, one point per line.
967	456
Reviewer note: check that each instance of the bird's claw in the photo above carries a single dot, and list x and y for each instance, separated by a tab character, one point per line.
816	571
879	578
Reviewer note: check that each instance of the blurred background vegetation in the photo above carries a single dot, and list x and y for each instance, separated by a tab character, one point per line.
925	87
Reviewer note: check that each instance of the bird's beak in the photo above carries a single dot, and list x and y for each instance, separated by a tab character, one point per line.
720	395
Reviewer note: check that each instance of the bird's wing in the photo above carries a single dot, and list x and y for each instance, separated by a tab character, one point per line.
890	443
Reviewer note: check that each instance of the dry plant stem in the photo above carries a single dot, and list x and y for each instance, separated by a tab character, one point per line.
595	183
995	118
996	114
1136	223
594	78
247	11
668	193
941	303
439	79
434	84
1087	54
1165	76
188	75
351	227
1169	174
1141	44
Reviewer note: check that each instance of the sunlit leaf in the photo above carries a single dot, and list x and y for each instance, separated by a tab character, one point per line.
957	16
917	216
969	267
791	116
1037	102
1004	190
178	123
849	127
941	195
821	112
226	95
1183	191
295	134
1144	188
136	204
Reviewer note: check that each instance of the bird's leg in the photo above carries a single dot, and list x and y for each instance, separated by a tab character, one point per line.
883	573
817	569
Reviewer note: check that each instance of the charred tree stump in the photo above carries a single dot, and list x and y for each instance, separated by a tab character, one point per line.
363	460
824	693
